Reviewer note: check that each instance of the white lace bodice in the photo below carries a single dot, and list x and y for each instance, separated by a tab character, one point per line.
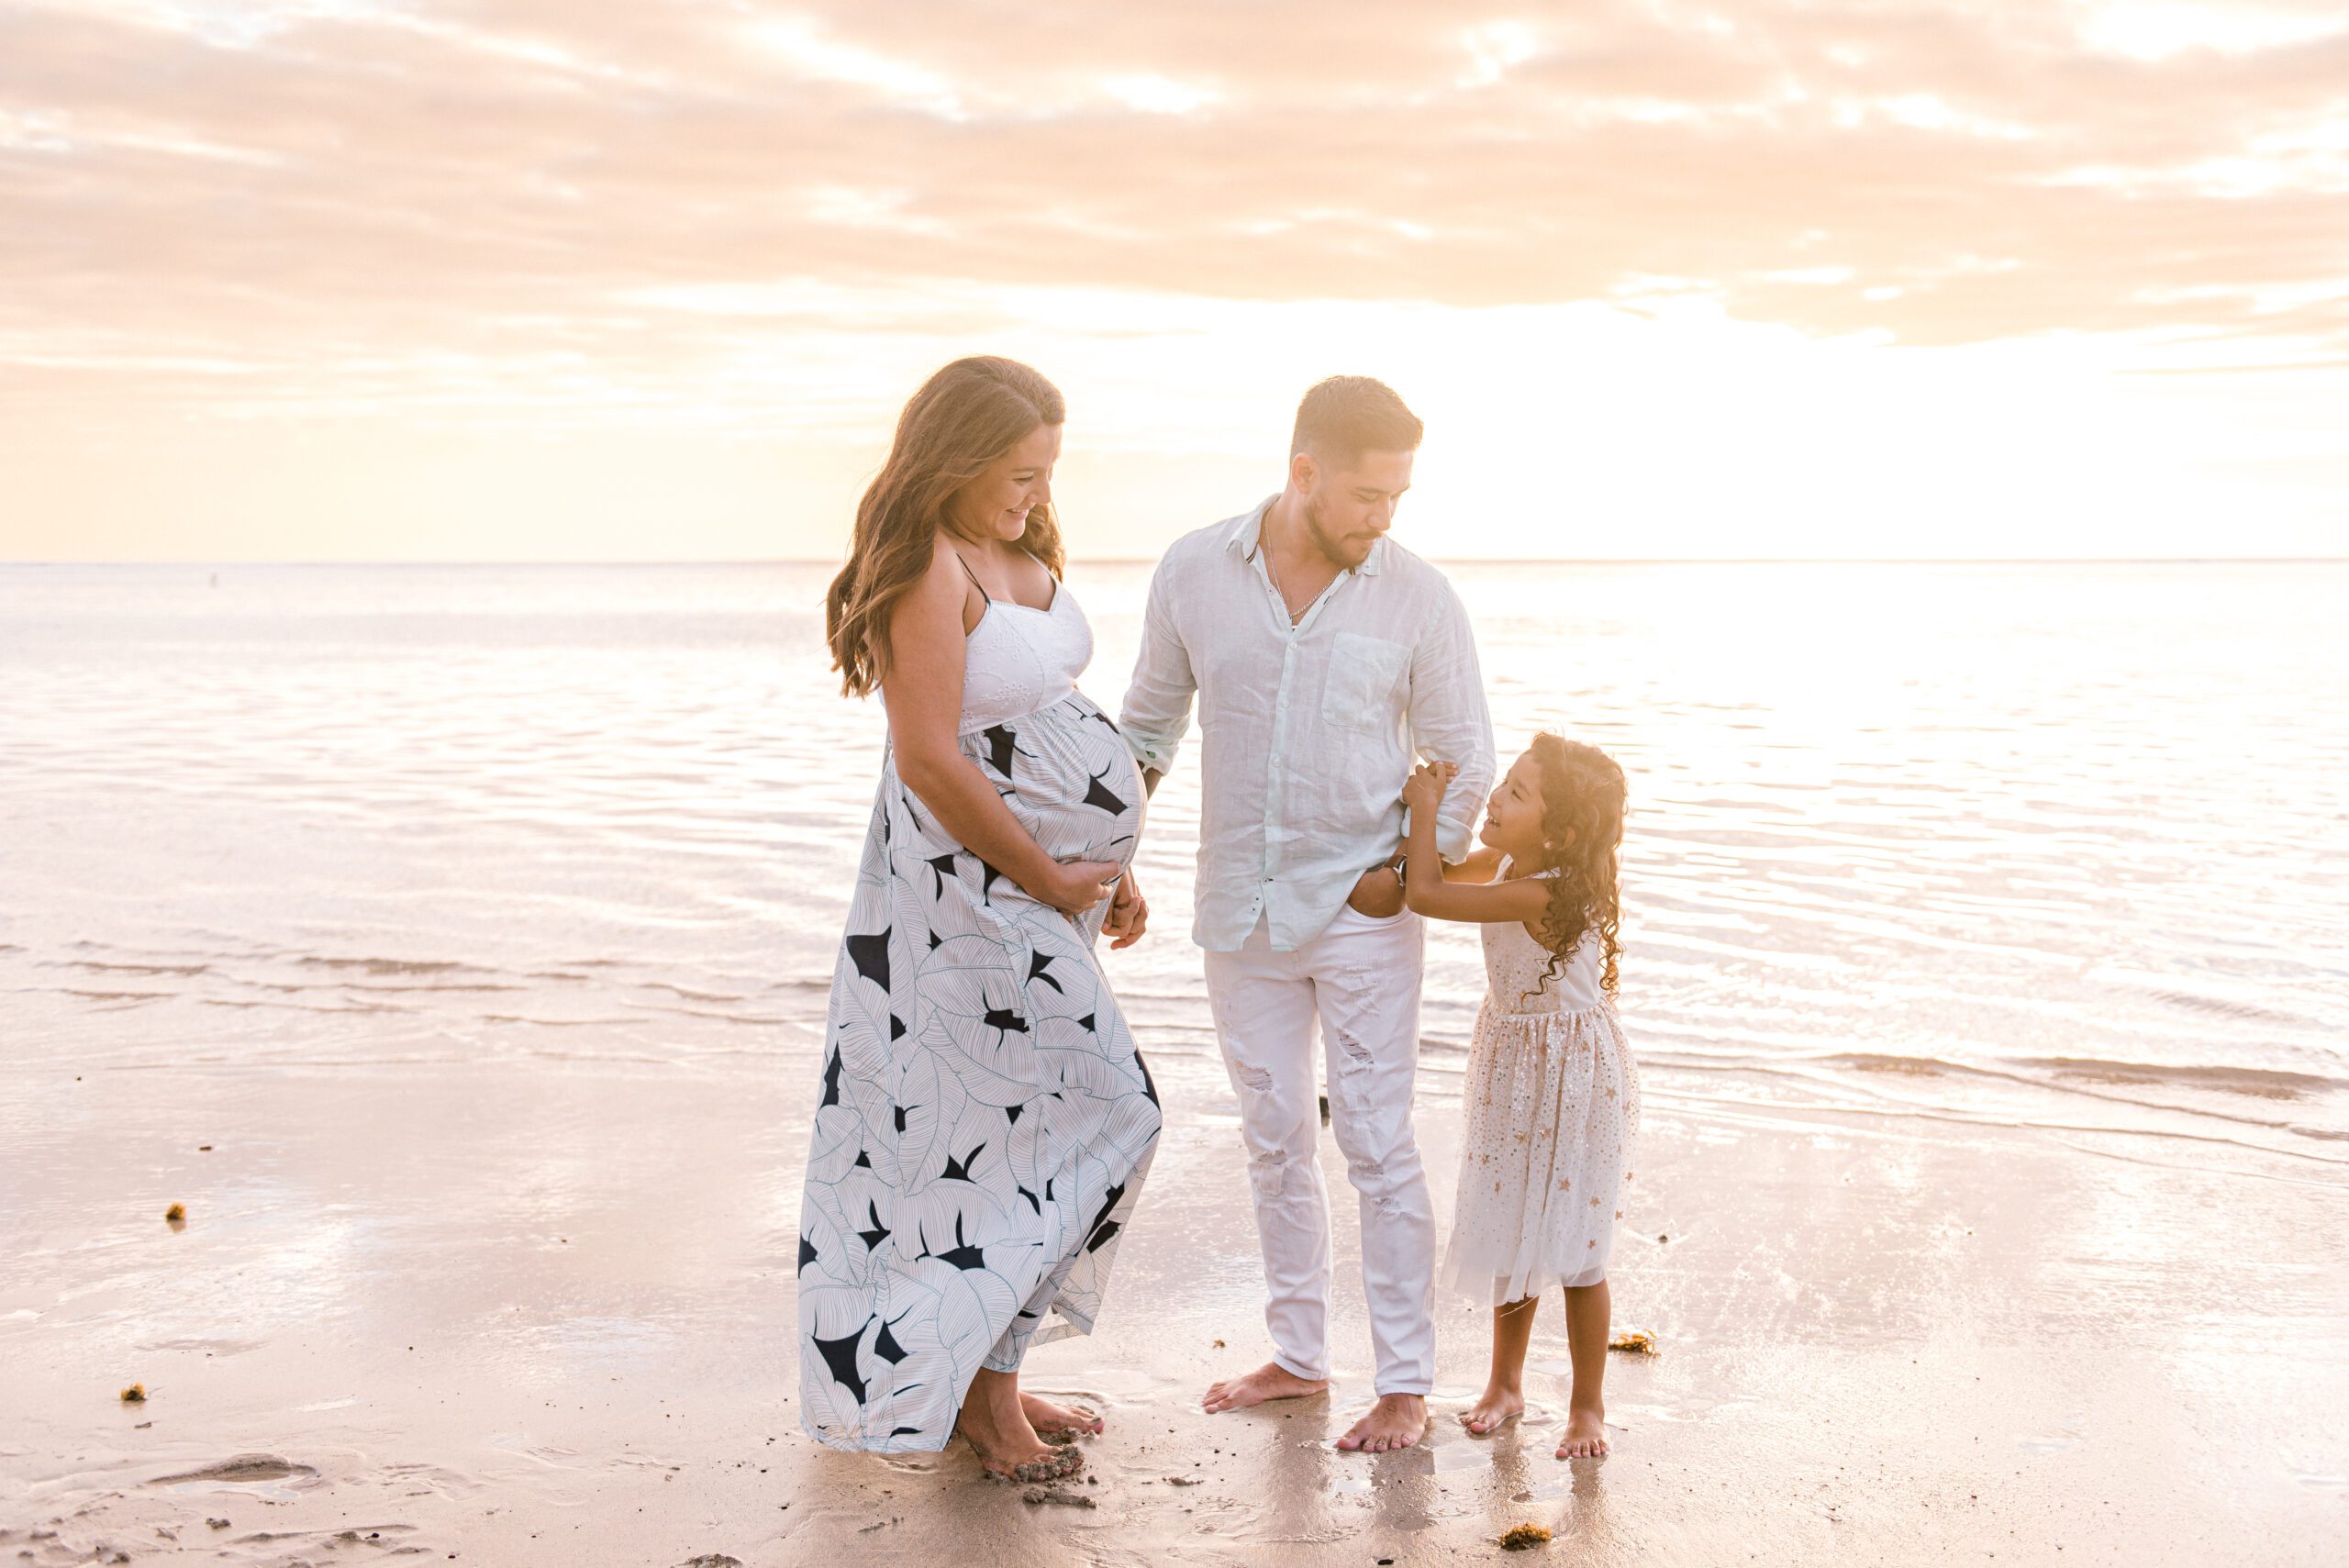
1017	660
1515	967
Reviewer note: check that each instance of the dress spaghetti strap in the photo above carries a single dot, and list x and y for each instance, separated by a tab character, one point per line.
974	576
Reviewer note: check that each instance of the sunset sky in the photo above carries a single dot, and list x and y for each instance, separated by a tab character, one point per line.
554	278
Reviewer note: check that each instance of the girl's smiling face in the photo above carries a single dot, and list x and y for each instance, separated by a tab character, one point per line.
1513	816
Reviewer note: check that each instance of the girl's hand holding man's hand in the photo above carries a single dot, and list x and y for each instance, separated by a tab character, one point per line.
1378	893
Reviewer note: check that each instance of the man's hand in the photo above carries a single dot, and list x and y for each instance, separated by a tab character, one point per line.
1378	893
1129	914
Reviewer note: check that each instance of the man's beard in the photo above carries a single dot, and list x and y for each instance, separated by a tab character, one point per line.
1336	549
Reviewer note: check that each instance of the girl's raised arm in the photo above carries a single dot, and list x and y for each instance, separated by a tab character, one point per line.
1427	886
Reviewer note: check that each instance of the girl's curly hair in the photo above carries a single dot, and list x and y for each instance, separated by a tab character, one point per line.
1582	831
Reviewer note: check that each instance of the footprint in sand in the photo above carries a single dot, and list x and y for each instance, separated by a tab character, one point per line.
254	1474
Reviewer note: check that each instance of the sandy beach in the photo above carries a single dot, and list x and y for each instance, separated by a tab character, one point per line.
544	1316
1992	1187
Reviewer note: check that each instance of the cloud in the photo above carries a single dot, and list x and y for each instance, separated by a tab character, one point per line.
361	201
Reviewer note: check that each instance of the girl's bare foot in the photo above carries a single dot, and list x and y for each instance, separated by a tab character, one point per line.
1270	1380
1585	1434
992	1423
1397	1420
1497	1407
1059	1423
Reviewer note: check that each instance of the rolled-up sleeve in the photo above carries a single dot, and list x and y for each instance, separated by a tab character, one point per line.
1158	700
1450	722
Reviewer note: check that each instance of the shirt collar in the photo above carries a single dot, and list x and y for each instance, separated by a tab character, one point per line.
1248	529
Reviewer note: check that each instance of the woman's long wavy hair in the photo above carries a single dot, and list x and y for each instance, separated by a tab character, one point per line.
1583	797
965	418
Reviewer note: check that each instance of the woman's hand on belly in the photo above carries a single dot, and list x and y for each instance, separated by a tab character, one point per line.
1075	886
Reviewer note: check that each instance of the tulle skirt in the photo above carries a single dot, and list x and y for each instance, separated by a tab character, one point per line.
1551	1108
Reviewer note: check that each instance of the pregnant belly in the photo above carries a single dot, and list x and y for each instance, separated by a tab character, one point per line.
1088	816
1072	781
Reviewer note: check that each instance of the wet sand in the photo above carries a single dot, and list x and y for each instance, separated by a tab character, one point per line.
541	1313
1990	993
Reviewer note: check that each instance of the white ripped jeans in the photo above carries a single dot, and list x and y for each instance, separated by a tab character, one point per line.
1359	980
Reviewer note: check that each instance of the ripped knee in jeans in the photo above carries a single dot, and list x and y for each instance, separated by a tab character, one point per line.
1276	1171
1350	1065
1353	1054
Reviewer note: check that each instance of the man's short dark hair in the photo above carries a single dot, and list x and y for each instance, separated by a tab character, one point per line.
1347	415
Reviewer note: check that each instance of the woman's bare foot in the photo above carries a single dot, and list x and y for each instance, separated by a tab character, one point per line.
1059	1423
1270	1380
992	1423
1397	1420
1496	1408
1585	1434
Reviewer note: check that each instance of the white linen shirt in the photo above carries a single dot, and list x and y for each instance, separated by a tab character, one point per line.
1306	733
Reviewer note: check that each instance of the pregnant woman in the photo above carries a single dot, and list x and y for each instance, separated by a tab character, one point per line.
983	1122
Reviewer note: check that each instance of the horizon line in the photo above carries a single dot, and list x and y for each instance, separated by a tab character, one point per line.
1439	560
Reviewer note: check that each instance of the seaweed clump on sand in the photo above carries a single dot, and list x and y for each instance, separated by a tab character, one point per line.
135	1394
1520	1537
1637	1343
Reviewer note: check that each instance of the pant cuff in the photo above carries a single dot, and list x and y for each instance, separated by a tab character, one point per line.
1293	1370
1418	1386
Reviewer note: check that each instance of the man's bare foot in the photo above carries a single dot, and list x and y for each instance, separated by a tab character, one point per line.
1397	1420
1059	1423
1270	1380
1496	1408
999	1434
1585	1434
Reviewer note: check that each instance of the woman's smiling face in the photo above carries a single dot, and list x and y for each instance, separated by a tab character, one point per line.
996	505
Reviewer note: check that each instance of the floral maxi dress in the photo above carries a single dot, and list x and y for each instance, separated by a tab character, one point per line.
985	1121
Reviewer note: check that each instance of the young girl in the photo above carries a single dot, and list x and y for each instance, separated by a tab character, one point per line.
1551	1097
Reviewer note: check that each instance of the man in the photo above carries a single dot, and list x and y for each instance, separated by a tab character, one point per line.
1323	655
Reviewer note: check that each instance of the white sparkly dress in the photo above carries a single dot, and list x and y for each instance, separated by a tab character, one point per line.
1551	1105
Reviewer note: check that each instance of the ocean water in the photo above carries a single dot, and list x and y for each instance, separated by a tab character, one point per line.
2056	845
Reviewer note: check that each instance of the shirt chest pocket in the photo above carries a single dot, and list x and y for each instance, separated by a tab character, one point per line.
1364	674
